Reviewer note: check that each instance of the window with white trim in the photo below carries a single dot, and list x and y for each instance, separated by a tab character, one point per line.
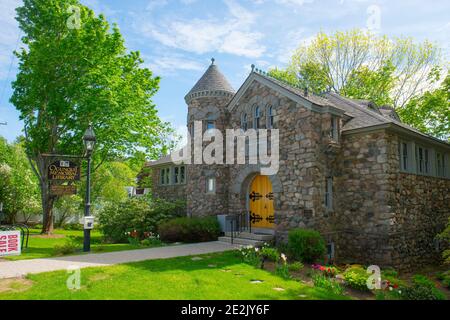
211	185
165	176
422	160
440	164
179	174
404	156
329	193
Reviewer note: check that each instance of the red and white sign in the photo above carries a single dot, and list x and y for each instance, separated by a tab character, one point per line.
9	243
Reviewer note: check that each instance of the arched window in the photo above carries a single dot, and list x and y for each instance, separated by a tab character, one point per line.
257	121
270	117
244	122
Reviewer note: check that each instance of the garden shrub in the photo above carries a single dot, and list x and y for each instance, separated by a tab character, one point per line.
70	246
322	281
296	266
422	288
139	215
190	229
445	278
306	245
356	278
250	255
270	254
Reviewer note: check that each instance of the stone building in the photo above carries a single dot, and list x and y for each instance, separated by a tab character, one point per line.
375	188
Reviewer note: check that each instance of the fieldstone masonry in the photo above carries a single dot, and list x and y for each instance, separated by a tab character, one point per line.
380	215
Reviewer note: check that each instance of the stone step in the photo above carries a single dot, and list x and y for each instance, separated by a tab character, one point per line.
242	241
252	236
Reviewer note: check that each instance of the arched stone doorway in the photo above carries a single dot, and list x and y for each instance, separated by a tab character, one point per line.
241	188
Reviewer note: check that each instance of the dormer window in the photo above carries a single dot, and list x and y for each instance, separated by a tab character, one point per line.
334	129
257	120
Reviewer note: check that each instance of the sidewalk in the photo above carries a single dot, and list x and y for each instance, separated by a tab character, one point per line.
13	269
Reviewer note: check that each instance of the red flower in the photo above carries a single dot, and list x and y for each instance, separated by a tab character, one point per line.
395	286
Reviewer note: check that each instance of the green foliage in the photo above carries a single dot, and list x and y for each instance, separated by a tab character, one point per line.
250	255
67	207
70	246
306	245
422	289
296	266
445	278
282	270
151	242
445	236
430	112
19	189
70	77
356	278
140	214
322	281
190	229
269	253
397	71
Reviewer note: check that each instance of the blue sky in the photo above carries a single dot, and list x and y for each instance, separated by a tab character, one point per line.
177	38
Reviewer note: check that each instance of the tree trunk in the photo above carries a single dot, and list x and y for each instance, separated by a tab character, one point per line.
46	198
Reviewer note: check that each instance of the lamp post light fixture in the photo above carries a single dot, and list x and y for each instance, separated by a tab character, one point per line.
89	141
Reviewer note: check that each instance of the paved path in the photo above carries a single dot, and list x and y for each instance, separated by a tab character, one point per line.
12	269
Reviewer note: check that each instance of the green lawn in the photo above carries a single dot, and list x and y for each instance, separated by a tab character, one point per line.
215	276
39	247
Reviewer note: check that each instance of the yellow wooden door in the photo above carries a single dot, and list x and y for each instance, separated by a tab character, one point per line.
261	203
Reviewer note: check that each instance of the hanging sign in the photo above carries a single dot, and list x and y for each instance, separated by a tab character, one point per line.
64	170
9	243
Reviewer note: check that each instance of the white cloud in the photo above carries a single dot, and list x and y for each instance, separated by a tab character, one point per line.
231	35
168	65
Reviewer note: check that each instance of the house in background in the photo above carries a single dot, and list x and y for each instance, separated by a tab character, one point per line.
375	188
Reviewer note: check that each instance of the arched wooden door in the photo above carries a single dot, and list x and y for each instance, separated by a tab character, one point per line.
261	203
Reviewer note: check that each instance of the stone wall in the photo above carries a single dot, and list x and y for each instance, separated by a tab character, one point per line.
199	202
421	205
167	192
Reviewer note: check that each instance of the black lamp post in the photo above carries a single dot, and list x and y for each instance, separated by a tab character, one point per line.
89	144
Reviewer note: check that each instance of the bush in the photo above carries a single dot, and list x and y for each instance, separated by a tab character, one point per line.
151	242
356	278
422	289
445	278
306	245
138	215
190	230
71	245
296	266
322	281
250	255
270	254
73	226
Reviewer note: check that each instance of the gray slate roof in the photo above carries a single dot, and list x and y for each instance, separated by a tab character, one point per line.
212	80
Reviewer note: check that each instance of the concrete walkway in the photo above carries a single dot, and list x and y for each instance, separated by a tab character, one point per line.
13	269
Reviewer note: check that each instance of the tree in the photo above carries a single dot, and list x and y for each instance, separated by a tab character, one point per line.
18	186
67	207
397	72
345	58
75	70
430	112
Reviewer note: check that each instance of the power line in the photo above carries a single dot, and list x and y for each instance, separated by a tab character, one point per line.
10	67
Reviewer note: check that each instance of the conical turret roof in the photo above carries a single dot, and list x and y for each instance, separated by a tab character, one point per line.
212	83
